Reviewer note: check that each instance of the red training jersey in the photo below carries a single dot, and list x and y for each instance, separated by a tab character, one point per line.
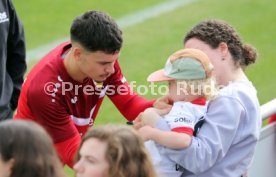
65	107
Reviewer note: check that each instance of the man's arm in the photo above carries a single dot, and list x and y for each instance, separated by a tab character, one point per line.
123	97
67	150
16	63
129	103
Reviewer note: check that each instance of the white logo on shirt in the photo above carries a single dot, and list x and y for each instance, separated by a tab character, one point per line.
74	100
123	80
3	17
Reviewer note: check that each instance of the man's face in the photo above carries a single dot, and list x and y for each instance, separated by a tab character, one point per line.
97	65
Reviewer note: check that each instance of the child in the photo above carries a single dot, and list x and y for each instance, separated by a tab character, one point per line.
189	75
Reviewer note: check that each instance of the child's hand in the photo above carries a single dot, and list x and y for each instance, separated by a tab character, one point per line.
148	117
151	115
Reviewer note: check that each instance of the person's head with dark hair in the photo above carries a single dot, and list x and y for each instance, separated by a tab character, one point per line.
26	150
96	43
223	45
96	31
113	150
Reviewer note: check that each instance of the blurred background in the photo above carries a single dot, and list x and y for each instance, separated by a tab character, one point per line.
152	30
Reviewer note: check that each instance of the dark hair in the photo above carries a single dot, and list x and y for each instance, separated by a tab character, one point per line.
97	31
31	148
126	153
213	32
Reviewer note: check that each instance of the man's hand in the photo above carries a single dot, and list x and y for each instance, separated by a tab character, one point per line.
163	102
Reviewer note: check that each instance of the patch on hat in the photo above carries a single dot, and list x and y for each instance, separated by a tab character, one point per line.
184	64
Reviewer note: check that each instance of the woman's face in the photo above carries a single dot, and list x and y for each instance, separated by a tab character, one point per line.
92	162
215	56
5	167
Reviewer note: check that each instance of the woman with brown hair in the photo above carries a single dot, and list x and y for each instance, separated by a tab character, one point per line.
26	150
113	151
225	144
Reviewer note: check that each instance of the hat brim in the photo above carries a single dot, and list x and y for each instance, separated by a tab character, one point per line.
158	76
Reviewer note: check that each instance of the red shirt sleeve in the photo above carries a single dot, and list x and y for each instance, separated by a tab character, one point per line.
123	97
67	150
129	103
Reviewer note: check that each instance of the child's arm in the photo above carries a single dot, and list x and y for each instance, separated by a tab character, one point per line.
169	139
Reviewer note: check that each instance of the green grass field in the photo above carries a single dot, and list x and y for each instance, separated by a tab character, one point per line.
147	45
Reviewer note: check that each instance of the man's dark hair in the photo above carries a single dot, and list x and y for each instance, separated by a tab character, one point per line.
96	31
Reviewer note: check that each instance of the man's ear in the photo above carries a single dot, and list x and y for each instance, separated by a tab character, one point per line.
76	51
223	47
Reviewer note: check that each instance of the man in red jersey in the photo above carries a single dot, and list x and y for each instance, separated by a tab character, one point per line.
64	91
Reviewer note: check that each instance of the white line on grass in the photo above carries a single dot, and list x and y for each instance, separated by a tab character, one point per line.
129	20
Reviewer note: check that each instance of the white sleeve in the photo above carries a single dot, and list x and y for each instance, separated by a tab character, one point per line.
183	116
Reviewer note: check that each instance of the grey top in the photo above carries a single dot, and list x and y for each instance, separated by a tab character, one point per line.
225	144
